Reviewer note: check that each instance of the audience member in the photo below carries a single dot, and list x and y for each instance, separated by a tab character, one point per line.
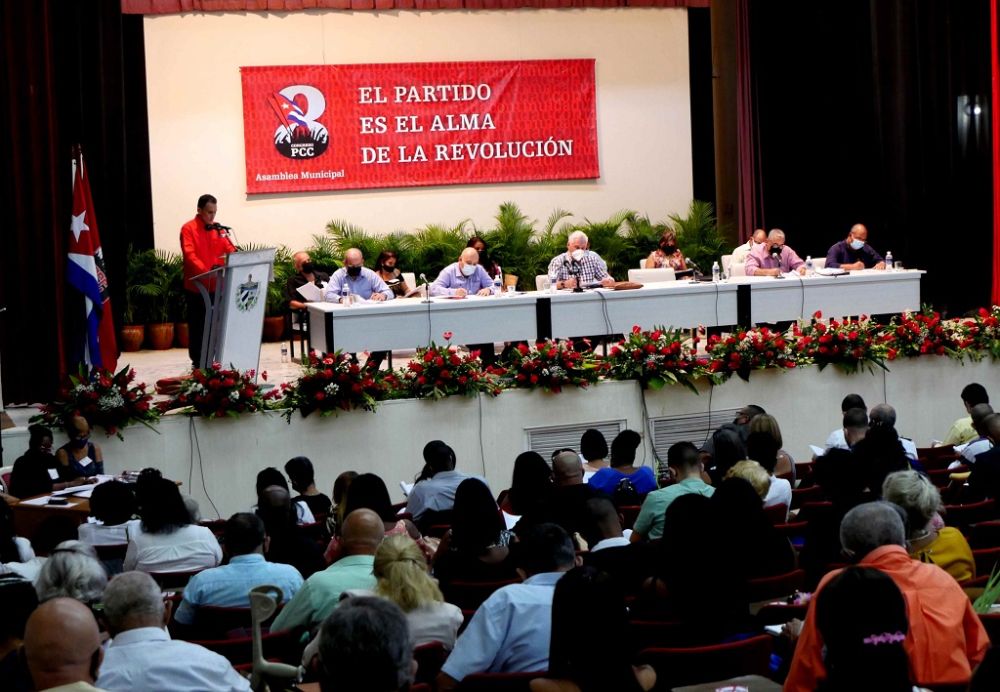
362	533
272	476
767	423
300	473
531	484
433	495
588	606
836	439
628	563
510	632
763	448
982	443
17	601
569	494
79	458
16	553
368	491
62	646
36	472
594	449
945	640
166	540
112	507
961	430
753	473
861	616
745	535
884	415
729	448
640	479
984	481
72	571
228	586
286	543
364	646
477	546
337	513
945	547
142	656
686	470
880	454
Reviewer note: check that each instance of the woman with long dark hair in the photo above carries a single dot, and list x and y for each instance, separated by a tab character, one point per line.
476	547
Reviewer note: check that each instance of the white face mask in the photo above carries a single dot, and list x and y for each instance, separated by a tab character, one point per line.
857	244
468	269
577	255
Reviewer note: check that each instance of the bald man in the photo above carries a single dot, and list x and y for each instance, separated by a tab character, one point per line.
740	252
362	281
567	505
854	252
305	273
464	277
361	535
63	646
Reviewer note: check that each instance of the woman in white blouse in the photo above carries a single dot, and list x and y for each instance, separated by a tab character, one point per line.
165	539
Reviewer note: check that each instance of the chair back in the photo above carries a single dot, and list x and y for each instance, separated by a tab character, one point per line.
469	595
936	457
991	622
429	657
629	514
647	634
777	586
650	276
780	613
986	560
499	682
778	514
540	281
963	516
216	622
985	534
800	496
410	279
676	667
216	526
173	580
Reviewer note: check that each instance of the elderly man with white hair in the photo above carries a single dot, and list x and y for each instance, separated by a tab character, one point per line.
945	640
578	264
72	571
142	656
466	277
773	257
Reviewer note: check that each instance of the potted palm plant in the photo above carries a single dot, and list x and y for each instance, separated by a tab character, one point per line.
133	331
275	305
155	287
178	304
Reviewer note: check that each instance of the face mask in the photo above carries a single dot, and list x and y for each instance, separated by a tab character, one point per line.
857	244
577	255
354	271
389	268
776	250
468	269
668	249
307	267
80	443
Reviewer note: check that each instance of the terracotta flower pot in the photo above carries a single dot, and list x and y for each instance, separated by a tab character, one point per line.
130	337
182	334
274	328
161	336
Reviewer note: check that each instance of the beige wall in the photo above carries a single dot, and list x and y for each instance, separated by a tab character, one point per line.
196	126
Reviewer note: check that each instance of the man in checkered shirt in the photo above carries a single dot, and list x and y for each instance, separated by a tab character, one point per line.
579	263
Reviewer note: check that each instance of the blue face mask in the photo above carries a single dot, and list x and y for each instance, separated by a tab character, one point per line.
857	244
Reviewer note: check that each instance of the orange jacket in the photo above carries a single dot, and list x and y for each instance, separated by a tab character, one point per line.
202	250
946	638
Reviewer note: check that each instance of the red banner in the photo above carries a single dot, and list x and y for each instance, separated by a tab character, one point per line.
338	127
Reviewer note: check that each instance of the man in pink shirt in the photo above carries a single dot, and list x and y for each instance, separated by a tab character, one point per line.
773	257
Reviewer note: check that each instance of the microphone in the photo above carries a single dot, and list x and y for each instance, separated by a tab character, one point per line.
217	227
427	290
697	269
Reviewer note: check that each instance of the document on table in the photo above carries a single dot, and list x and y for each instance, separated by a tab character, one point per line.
406	487
831	271
43	502
817	451
311	292
77	490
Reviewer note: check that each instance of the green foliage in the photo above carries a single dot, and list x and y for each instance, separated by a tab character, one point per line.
323	254
284	269
607	238
140	264
156	284
432	248
698	234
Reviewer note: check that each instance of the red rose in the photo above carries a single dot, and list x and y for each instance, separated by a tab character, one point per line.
447	336
320	395
421	380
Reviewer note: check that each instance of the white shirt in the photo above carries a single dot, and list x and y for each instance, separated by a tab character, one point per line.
977	446
96	533
616	542
780	493
836	440
29	565
436	493
148	659
188	548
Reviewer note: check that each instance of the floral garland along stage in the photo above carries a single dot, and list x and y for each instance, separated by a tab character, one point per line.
334	382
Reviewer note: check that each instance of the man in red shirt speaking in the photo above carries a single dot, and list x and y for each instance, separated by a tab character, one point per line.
204	247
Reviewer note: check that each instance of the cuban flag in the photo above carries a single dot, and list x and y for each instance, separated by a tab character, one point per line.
85	272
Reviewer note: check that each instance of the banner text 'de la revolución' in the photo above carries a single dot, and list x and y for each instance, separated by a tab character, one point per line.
336	127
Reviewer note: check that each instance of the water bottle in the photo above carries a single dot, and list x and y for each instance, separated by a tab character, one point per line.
345	294
497	283
284	353
810	267
716	272
888	260
553	283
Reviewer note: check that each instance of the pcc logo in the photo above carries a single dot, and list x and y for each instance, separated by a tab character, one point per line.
299	134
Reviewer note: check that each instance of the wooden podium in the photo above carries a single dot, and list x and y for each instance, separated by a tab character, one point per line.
234	315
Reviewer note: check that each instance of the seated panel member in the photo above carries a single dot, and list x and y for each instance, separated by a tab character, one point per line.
741	252
590	265
464	277
361	280
774	257
668	255
305	273
854	252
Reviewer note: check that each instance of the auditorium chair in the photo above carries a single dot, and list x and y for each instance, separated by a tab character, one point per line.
173	580
277	646
985	534
986	560
965	515
778	514
776	586
469	595
216	526
112	555
629	514
941	478
991	622
499	682
780	613
936	457
648	634
429	657
216	622
676	667
800	496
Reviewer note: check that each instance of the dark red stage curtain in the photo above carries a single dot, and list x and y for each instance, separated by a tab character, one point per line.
995	120
751	182
176	6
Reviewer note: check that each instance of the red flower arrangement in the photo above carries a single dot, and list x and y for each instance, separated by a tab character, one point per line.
915	334
746	350
439	371
975	336
850	345
550	365
107	399
216	392
333	382
657	357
